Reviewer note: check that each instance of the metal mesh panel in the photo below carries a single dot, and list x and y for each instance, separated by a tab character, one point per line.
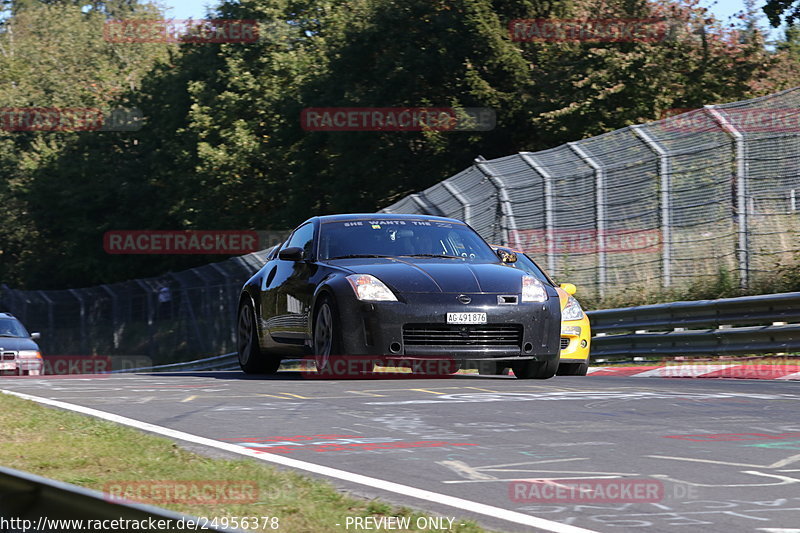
668	203
178	316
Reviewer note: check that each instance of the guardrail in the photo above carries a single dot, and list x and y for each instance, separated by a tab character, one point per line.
228	361
729	326
40	501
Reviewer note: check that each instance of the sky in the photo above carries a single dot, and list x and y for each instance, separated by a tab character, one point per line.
722	9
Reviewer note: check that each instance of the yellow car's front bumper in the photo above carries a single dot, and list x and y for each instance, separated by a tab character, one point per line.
576	340
576	335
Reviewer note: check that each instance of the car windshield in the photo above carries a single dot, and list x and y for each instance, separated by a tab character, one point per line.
11	327
402	238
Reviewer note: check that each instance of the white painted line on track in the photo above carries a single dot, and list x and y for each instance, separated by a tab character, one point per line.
683	371
389	486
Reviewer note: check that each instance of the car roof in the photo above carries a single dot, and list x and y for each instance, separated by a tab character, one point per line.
6	315
384	216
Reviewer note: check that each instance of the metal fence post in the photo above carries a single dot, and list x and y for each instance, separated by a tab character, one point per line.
505	201
227	300
742	252
50	322
461	199
549	216
665	172
600	211
147	298
114	313
84	339
186	304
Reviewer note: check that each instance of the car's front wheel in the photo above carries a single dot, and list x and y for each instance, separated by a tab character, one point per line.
573	369
536	369
251	360
326	334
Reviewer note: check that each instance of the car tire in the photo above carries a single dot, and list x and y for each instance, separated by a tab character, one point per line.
251	360
536	369
326	339
573	369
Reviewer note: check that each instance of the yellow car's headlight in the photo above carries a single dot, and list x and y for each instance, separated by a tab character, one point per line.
572	311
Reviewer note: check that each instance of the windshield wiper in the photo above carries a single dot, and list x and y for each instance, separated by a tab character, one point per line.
433	255
7	335
357	256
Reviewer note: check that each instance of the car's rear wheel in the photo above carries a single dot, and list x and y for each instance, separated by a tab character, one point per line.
251	360
326	334
573	369
536	369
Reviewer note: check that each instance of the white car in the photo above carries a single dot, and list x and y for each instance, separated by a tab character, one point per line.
19	353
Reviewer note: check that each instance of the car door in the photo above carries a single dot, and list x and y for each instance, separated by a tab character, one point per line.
293	288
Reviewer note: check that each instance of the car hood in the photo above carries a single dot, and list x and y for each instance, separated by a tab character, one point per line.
439	275
17	343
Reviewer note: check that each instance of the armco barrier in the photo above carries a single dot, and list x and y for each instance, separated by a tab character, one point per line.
765	324
729	326
40	502
228	361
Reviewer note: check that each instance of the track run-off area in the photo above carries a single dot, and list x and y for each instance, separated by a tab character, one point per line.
564	455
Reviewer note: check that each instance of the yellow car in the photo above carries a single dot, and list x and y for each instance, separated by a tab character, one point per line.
576	334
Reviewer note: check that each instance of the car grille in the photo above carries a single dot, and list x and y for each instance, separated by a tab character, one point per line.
454	335
8	356
564	342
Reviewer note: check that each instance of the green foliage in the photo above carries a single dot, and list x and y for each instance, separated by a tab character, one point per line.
222	145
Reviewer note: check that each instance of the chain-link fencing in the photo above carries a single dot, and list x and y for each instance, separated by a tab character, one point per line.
662	204
175	317
696	195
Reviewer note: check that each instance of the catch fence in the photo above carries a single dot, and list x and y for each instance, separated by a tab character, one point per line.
663	204
708	192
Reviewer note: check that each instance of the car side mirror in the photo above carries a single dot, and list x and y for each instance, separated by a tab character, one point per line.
293	253
569	288
506	256
36	336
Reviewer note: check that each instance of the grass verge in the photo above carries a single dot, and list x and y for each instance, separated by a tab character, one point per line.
94	453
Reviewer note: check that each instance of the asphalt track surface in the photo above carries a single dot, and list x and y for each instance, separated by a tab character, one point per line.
652	455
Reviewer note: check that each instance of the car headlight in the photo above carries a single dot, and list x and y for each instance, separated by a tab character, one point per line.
370	288
572	311
533	290
29	354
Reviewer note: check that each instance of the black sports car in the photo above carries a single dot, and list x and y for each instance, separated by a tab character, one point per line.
400	288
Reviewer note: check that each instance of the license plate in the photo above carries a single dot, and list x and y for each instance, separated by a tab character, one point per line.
8	366
466	318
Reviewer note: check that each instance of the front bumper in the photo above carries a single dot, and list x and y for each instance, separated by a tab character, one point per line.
30	367
577	336
377	328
